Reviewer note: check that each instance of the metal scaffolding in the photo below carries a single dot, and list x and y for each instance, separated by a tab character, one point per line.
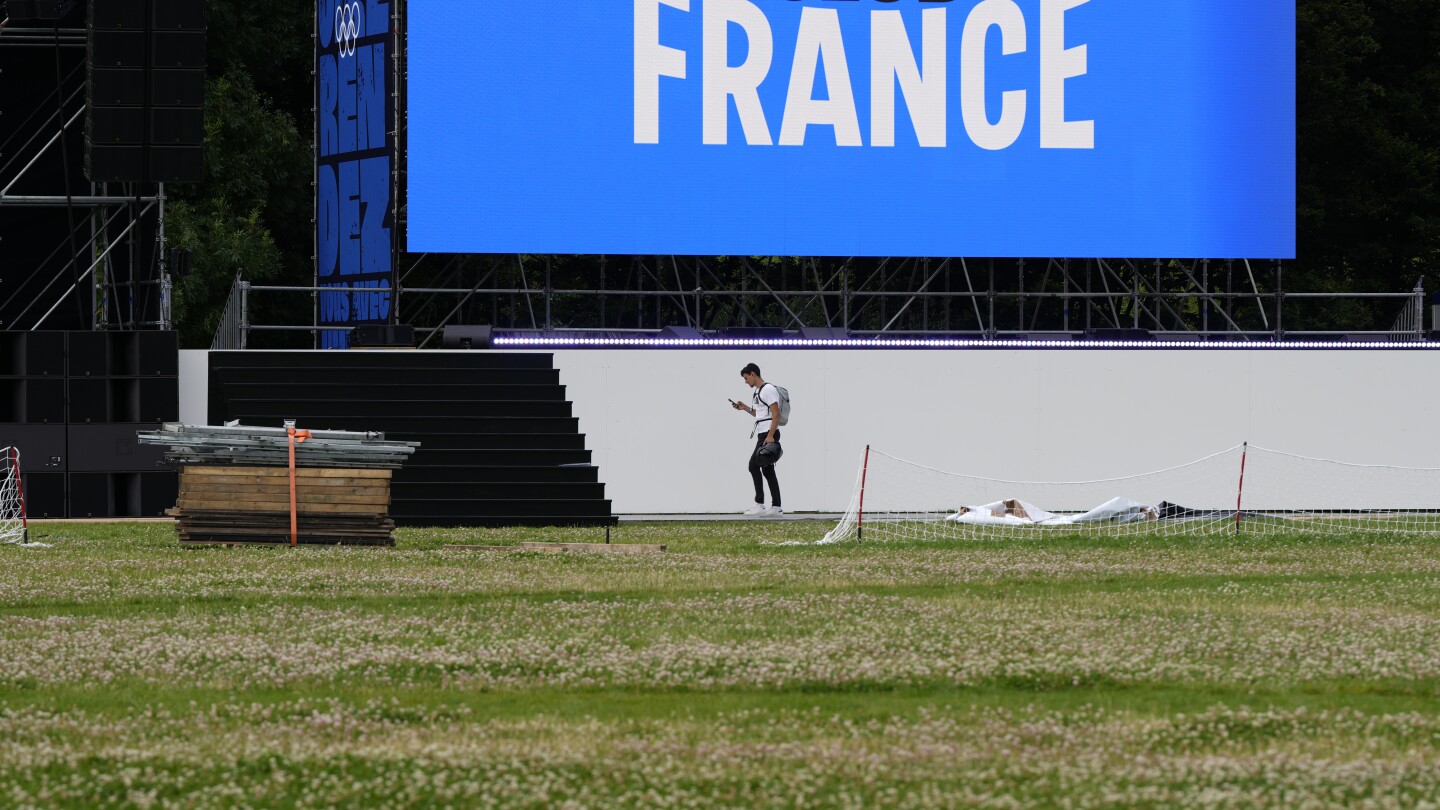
111	249
986	298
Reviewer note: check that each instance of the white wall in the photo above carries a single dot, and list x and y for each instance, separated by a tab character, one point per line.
667	441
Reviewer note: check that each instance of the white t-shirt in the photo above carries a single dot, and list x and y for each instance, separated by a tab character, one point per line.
763	398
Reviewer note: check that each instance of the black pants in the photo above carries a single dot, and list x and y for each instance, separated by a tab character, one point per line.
769	472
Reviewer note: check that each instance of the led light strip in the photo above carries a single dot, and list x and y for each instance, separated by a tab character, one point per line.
935	343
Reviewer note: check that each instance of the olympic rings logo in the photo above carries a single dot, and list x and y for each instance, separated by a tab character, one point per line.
348	18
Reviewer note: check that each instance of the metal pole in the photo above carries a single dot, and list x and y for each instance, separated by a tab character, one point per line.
165	282
245	314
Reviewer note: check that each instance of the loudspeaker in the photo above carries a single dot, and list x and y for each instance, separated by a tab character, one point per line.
145	54
45	401
112	448
115	125
42	447
159	399
177	87
44	354
44	494
177	126
114	164
681	333
382	334
189	16
158	354
89	401
465	337
89	495
117	14
115	87
38	9
177	164
88	354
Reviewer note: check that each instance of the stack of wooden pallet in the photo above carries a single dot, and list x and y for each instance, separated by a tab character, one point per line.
235	484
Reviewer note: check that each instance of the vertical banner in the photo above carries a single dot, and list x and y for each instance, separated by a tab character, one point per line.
354	159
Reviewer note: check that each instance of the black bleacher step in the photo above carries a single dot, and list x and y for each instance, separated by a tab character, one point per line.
251	358
395	425
497	458
391	376
451	474
470	507
493	522
310	410
493	441
439	424
511	490
314	408
382	391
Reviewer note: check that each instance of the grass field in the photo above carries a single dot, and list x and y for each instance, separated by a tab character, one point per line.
732	671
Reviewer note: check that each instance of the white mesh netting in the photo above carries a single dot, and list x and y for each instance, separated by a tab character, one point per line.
896	499
12	502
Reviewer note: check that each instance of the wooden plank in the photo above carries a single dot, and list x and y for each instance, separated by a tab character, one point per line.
329	486
281	500
240	504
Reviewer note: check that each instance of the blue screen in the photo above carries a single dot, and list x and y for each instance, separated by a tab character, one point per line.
1065	128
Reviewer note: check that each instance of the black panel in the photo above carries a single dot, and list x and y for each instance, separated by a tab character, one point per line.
116	49
48	10
117	13
45	401
115	125
461	336
177	87
113	448
42	447
183	14
158	353
44	494
177	126
124	399
89	400
125	494
114	164
177	49
12	400
116	86
158	492
124	354
370	360
89	495
44	354
177	164
159	399
89	354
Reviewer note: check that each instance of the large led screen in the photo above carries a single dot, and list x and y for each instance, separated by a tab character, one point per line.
853	127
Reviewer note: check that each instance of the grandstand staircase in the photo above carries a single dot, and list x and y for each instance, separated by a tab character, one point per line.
498	443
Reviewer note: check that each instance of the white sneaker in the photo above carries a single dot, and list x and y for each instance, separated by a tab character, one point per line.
773	511
756	510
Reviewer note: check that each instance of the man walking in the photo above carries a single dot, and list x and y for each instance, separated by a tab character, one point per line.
765	408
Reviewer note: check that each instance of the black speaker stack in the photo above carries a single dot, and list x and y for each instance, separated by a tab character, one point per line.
72	403
145	90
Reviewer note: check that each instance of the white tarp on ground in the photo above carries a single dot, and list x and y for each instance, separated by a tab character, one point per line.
1015	512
